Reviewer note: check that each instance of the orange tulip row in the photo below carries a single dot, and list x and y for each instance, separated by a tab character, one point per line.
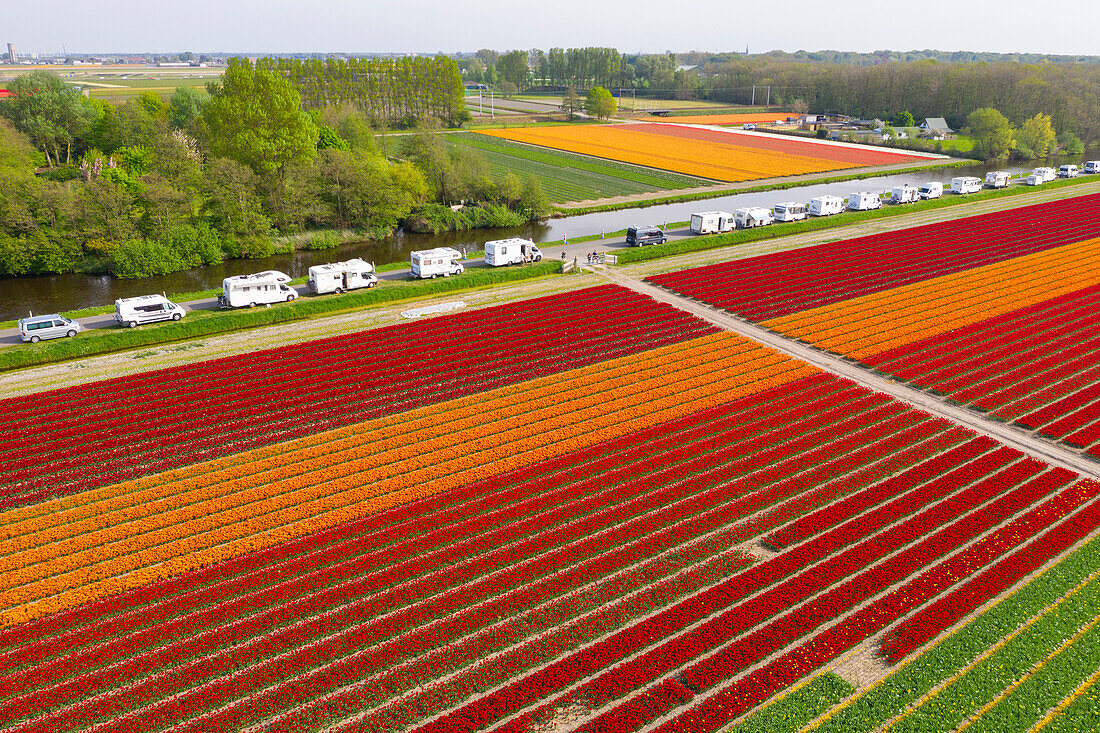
719	369
874	323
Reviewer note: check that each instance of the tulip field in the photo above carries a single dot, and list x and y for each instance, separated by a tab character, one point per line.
714	154
521	518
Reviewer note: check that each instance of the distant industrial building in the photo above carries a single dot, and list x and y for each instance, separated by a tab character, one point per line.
11	54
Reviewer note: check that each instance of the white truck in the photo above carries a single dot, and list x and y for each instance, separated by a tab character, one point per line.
966	184
711	222
338	277
1039	176
997	179
790	211
1092	166
259	288
132	312
826	205
864	201
1068	171
512	251
904	194
753	216
435	262
930	190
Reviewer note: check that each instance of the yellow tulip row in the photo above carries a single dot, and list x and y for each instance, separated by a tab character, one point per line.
676	387
874	323
364	456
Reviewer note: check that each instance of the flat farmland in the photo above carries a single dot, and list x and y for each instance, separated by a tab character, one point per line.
715	154
570	176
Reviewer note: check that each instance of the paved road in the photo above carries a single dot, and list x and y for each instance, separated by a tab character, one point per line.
1011	436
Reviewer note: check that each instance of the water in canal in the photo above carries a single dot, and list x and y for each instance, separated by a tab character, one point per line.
61	293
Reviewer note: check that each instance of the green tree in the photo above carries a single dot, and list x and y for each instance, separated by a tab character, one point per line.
49	112
600	103
363	191
185	106
1036	138
905	119
231	201
254	117
992	133
533	201
570	103
512	67
152	103
1070	144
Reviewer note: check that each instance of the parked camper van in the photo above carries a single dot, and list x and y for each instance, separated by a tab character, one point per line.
997	179
1040	176
338	277
753	216
966	184
638	236
904	194
826	205
259	288
132	312
513	251
1092	166
435	262
864	201
790	211
54	326
711	222
1068	171
930	190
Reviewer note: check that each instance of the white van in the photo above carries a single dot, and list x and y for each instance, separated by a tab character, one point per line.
903	194
1092	166
712	222
790	211
930	190
269	286
966	184
864	201
826	205
435	262
514	251
1068	171
132	312
336	277
997	179
753	216
40	328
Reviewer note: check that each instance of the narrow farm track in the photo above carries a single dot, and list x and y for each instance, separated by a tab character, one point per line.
1029	444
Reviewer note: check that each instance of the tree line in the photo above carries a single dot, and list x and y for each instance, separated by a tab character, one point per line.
149	186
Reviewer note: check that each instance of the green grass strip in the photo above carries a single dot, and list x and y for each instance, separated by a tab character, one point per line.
203	323
907	684
798	708
697	244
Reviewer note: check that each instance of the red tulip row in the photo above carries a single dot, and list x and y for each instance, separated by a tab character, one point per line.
733	596
1042	389
731	444
734	700
779	284
177	429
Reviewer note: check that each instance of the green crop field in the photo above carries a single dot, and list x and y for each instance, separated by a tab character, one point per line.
569	176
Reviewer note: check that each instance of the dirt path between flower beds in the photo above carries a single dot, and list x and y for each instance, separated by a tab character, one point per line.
1013	437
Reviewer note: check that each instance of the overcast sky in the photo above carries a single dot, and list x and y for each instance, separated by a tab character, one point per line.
1050	26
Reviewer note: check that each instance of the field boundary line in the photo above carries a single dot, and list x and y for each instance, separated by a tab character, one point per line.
1060	707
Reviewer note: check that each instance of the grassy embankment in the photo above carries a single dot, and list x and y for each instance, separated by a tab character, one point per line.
204	323
696	244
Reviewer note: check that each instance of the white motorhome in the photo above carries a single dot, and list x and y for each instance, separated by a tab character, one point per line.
1092	166
132	312
1041	175
826	205
790	211
711	222
930	190
966	184
997	179
904	194
864	201
1068	171
259	288
513	251
337	277
435	262
753	216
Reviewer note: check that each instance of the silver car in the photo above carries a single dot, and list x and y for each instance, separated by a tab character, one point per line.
38	328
